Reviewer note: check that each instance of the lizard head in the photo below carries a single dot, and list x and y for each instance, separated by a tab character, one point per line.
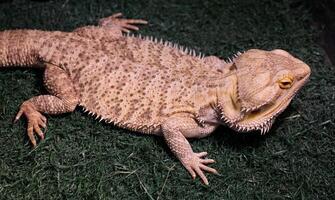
266	82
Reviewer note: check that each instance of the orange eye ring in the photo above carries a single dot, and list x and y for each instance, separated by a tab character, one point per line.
285	83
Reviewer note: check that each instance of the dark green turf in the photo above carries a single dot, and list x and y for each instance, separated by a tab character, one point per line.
84	159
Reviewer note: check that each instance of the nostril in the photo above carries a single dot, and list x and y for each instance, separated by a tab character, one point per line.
303	71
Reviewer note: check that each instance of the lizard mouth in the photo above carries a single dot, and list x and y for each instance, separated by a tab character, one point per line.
263	117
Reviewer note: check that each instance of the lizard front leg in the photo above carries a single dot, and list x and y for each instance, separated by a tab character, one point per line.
124	25
63	99
111	26
175	131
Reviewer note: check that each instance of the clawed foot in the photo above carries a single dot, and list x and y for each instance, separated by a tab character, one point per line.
196	165
125	25
36	121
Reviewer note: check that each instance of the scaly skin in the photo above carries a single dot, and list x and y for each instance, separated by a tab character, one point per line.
152	87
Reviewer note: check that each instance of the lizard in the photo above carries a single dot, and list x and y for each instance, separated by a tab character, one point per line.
152	86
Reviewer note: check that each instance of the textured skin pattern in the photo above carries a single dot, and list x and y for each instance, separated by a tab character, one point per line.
151	86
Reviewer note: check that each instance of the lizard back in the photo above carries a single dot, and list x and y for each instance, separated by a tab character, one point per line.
137	83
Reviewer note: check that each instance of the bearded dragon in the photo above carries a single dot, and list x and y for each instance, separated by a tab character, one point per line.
151	86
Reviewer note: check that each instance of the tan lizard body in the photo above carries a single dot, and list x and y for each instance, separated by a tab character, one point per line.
151	86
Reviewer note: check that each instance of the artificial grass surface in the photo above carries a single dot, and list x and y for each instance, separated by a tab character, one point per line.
84	159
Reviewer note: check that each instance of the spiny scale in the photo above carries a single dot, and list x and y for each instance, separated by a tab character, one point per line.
185	50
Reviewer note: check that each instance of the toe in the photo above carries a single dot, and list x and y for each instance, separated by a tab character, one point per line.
192	172
132	27
42	124
202	175
18	116
208	169
31	135
136	21
201	154
125	30
116	15
44	119
39	131
207	161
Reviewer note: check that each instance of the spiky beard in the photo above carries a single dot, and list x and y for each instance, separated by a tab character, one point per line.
263	125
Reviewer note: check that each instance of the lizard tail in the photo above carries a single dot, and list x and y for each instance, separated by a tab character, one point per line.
19	48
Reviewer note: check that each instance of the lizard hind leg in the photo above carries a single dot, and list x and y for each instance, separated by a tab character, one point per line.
63	99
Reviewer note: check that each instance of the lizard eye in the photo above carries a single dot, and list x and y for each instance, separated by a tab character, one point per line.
285	83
